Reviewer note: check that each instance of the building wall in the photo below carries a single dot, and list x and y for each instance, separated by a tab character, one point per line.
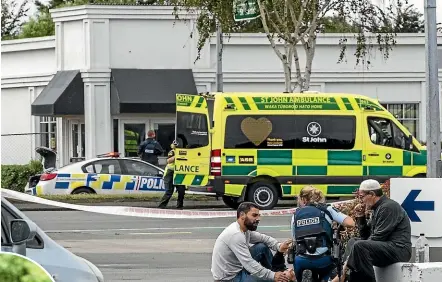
98	38
27	67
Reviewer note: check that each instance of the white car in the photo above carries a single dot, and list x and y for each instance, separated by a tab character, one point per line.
21	235
107	174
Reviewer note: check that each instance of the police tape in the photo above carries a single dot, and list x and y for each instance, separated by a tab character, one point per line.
138	211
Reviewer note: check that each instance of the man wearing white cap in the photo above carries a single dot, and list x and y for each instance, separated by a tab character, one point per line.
386	236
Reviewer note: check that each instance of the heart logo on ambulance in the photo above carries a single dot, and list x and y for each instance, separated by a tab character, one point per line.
256	130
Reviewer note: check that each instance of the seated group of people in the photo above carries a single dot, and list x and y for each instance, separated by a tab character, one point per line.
241	254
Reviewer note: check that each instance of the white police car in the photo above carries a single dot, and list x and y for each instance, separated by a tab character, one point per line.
106	174
21	235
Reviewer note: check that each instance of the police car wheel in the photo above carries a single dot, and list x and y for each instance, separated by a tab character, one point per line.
263	194
83	190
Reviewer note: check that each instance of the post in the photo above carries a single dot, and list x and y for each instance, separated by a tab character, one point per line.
432	85
219	56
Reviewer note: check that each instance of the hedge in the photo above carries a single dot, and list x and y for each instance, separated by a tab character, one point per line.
15	177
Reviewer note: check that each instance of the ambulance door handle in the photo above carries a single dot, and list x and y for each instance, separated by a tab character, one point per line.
181	159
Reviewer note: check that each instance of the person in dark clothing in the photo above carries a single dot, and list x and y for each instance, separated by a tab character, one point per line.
168	183
385	238
150	149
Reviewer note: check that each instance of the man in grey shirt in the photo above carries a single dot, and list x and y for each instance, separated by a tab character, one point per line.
233	260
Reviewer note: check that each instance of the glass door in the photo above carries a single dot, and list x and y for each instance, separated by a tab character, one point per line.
77	141
165	133
133	134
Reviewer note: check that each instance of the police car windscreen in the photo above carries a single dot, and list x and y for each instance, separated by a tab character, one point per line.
192	130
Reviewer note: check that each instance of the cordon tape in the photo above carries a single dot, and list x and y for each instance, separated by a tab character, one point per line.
140	212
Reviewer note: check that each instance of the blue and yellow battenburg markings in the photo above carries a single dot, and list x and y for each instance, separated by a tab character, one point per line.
109	182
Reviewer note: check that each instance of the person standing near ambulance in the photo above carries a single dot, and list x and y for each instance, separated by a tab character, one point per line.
168	182
150	149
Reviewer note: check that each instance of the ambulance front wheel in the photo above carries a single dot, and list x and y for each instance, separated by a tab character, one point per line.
263	194
231	202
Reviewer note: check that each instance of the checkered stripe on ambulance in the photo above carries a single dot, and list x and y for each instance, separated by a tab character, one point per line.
265	146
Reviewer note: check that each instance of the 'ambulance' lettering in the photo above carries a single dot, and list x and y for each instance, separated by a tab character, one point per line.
189	168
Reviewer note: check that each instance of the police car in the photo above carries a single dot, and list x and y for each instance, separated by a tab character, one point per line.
105	174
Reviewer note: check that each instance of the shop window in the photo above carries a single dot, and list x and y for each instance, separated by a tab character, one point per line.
165	134
407	114
48	132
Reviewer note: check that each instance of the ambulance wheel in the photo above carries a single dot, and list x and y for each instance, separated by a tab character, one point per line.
231	202
83	190
263	194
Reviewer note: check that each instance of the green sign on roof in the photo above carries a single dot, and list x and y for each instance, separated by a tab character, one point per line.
245	10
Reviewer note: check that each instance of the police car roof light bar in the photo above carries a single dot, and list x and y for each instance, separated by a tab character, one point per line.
111	154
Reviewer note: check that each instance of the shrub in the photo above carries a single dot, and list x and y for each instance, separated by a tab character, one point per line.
15	177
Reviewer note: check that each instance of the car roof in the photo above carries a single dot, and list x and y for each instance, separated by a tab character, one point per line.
78	165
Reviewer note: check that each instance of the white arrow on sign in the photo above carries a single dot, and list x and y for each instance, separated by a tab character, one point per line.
421	199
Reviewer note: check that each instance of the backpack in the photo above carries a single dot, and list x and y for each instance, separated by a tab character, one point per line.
312	230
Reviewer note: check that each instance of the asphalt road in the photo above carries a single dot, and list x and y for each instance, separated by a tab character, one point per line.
144	249
140	249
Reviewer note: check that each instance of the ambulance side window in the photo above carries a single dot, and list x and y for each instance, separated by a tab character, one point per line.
192	130
325	132
384	132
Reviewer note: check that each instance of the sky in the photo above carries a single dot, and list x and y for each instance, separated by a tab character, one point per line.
419	4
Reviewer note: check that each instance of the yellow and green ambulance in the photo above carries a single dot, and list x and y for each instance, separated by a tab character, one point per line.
262	147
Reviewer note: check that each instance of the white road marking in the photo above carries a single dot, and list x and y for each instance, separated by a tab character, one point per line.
160	233
151	228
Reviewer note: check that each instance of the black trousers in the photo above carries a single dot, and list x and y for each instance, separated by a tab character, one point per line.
364	254
168	184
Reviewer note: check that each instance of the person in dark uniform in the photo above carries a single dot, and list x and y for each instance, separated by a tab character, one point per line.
150	149
385	237
168	182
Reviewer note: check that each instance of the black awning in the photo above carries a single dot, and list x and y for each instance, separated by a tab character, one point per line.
149	90
64	95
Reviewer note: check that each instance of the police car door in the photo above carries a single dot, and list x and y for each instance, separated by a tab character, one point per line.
192	132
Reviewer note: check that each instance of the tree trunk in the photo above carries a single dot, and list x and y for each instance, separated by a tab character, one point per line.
310	47
288	77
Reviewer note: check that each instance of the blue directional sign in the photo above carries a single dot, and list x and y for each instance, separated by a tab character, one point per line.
410	205
421	199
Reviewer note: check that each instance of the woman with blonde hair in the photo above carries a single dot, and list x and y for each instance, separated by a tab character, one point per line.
312	233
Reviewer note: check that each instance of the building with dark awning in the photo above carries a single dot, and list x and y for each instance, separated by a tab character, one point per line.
64	95
149	90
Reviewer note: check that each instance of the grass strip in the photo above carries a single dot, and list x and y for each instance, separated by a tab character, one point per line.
145	197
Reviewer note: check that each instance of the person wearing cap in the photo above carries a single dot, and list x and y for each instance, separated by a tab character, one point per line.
168	182
150	149
385	237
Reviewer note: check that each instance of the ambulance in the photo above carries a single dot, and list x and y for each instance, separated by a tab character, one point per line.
262	147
